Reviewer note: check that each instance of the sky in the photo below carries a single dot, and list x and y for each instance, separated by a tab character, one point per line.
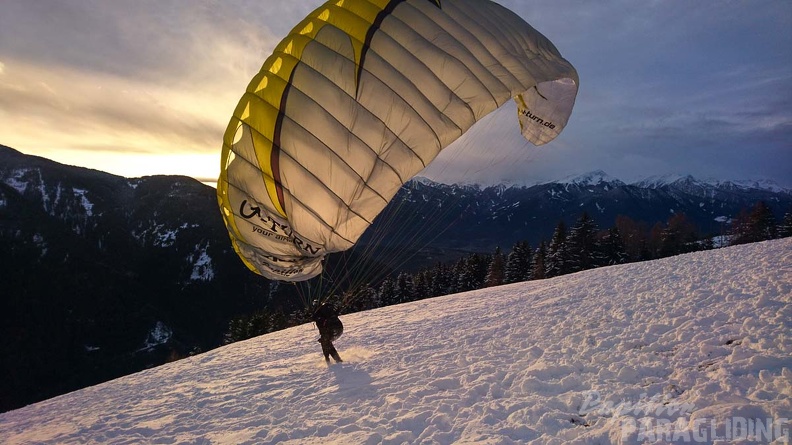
148	87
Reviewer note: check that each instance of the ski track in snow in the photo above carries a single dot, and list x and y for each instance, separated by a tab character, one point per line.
708	333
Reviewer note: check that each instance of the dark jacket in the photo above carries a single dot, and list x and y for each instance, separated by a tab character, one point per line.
330	326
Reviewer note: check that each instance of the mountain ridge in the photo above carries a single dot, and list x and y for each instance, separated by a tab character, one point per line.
603	197
595	177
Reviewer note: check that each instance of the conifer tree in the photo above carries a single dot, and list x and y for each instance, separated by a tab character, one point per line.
453	275
764	222
404	288
422	285
653	244
612	247
440	283
495	271
468	274
582	249
364	298
480	265
679	236
557	262
387	292
785	229
634	234
538	264
518	263
277	321
757	225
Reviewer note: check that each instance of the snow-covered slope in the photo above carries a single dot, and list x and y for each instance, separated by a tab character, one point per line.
690	349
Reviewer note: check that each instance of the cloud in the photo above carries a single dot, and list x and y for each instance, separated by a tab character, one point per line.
131	87
140	77
145	41
80	105
672	85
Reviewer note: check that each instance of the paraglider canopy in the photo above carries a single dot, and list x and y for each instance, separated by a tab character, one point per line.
356	100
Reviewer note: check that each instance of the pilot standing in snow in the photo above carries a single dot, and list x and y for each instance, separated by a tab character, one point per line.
330	328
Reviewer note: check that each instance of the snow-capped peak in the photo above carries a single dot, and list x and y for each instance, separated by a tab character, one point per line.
423	180
658	181
595	177
757	184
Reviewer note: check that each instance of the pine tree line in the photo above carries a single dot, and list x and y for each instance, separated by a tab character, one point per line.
581	247
569	250
759	224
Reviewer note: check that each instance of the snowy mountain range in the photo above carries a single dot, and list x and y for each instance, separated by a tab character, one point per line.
655	181
688	349
110	275
473	218
745	184
597	177
593	178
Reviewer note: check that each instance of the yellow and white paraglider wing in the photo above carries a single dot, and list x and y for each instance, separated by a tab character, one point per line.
357	99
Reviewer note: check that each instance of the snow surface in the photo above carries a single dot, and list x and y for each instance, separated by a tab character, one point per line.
687	347
202	264
17	182
159	335
86	204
